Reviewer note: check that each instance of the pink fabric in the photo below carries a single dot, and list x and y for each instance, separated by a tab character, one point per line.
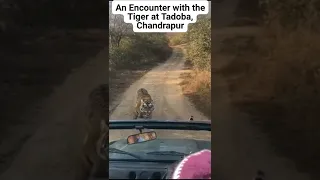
194	166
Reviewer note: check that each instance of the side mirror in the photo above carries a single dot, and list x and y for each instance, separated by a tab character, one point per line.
141	137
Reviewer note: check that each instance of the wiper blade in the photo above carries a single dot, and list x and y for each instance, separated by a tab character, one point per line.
118	151
173	153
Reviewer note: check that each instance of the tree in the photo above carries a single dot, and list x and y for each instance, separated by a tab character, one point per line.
118	29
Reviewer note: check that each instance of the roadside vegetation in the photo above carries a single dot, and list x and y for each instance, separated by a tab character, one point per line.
136	50
196	48
277	79
131	55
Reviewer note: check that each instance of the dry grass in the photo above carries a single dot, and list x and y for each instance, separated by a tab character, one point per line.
197	86
280	85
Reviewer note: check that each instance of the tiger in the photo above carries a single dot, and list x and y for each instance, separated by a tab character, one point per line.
93	160
144	105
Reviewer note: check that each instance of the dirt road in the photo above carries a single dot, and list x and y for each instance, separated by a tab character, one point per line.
162	83
51	152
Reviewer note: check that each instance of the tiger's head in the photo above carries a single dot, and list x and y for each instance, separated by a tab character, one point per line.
146	107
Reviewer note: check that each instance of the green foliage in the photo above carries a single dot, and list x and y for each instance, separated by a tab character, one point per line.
199	44
139	49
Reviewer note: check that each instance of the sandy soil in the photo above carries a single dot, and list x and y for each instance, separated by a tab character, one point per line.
51	152
162	82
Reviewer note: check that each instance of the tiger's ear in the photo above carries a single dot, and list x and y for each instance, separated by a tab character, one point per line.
103	126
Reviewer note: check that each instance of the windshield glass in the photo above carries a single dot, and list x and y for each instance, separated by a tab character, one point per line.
169	144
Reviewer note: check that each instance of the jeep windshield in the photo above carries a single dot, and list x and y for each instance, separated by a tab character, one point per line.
169	141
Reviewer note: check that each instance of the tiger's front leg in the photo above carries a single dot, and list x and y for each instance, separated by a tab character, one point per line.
150	116
135	115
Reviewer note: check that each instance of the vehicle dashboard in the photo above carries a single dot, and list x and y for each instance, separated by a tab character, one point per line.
140	170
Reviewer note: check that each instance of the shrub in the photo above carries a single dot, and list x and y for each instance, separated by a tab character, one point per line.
139	49
199	44
178	39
